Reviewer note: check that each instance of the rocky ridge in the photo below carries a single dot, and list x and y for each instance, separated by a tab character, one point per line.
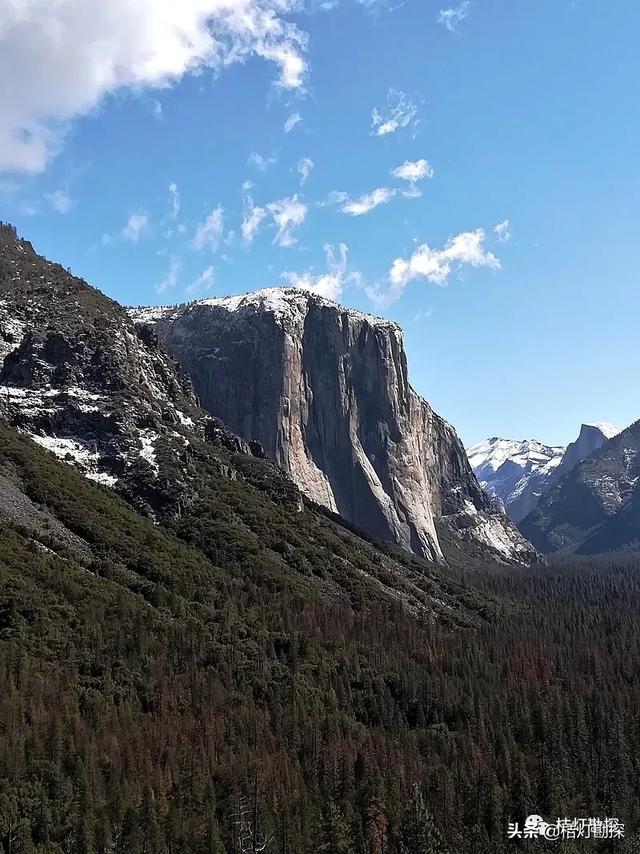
85	383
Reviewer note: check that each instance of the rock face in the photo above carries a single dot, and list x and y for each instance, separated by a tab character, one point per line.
519	473
595	507
325	391
590	438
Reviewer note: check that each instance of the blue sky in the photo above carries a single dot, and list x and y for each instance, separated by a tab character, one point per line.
139	167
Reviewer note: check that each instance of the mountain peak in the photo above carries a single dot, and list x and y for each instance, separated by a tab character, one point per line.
607	429
282	302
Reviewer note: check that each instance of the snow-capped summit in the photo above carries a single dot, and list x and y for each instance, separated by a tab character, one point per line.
285	303
514	471
519	472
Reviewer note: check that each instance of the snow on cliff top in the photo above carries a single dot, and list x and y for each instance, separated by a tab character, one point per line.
283	302
607	429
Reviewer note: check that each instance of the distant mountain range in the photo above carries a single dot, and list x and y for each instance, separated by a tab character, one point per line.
582	499
514	472
595	507
519	472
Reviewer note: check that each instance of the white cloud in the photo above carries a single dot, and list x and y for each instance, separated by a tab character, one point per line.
293	120
137	226
453	16
172	276
64	57
203	283
400	112
335	197
412	192
252	222
260	162
502	231
60	201
288	215
174	200
305	165
330	284
209	233
436	265
413	171
366	203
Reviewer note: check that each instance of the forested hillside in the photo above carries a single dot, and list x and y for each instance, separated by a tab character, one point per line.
160	682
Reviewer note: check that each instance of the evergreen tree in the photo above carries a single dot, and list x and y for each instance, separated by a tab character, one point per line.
418	833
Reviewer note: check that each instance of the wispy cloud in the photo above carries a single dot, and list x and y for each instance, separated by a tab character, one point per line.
60	201
174	201
366	203
400	112
413	171
137	226
172	277
305	165
502	231
261	162
203	283
209	233
252	221
291	122
331	283
454	15
288	215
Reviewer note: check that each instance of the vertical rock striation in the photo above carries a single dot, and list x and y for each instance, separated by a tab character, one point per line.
325	391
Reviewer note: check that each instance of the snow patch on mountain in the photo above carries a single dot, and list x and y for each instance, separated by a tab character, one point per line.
514	471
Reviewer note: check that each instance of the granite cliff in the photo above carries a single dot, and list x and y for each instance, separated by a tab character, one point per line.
325	391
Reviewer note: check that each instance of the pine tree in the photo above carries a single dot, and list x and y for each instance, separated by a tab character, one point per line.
418	833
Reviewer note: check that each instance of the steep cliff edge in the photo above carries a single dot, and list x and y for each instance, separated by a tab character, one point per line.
325	391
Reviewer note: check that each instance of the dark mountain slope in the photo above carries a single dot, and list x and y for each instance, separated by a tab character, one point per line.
595	508
251	527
